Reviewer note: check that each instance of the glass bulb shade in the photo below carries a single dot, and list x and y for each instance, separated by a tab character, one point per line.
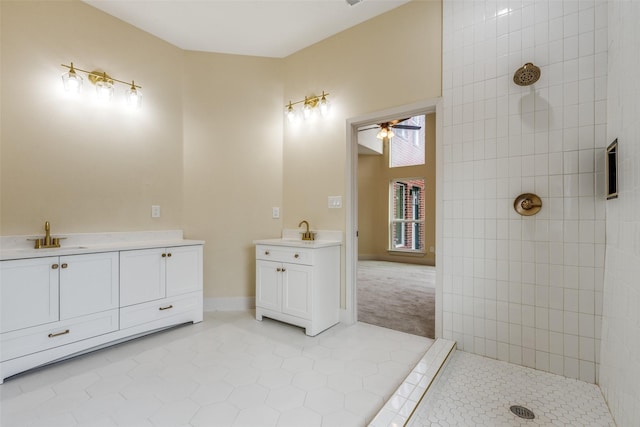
324	106
104	90
290	113
134	98
382	134
307	111
72	82
390	134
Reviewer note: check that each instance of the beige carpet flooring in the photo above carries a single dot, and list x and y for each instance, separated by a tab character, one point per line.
397	296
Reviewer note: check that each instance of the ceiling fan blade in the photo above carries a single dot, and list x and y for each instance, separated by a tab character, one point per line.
406	127
395	122
369	128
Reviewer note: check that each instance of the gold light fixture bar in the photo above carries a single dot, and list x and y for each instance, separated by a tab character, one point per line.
308	100
98	76
309	104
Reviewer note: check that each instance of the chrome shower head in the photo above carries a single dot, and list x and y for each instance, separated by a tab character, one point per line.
526	75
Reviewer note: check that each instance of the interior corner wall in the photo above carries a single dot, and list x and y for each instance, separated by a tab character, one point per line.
82	166
620	355
374	176
527	290
232	163
390	60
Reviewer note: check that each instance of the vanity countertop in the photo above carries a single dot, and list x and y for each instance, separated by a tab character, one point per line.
298	243
20	247
292	238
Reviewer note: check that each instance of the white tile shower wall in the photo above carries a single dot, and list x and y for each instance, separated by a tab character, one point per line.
527	290
620	365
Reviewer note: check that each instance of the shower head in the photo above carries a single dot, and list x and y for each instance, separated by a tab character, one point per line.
526	75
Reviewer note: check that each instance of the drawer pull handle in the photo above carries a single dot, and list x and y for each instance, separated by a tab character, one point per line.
164	255
54	267
64	265
278	269
169	255
284	269
266	252
65	332
165	308
296	256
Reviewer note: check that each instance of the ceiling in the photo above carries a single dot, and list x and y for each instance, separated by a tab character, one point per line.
270	28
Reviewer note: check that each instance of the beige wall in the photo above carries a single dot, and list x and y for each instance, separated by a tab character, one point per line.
232	163
209	144
86	167
374	175
391	60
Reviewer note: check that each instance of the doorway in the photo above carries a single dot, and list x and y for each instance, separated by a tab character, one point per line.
411	224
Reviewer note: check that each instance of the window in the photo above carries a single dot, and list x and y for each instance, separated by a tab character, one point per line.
407	215
406	148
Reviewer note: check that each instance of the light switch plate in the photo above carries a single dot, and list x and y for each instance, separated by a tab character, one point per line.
275	213
155	211
335	202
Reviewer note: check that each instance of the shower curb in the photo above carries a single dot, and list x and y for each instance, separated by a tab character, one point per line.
403	402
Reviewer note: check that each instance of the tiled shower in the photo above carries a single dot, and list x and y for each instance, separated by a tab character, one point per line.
530	290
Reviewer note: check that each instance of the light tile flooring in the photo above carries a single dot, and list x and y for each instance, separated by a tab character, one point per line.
477	391
229	370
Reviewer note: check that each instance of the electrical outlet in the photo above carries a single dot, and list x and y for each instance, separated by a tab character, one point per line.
275	213
334	202
155	211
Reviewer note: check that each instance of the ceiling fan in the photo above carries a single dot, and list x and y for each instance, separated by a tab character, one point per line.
386	128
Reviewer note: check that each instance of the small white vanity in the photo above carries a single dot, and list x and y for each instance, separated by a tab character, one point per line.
93	291
298	281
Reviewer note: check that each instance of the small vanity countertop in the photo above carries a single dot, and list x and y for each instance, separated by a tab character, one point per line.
20	247
292	238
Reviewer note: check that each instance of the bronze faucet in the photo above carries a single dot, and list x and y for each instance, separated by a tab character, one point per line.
47	241
307	235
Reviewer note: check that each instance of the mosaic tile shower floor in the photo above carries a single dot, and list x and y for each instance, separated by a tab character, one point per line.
477	391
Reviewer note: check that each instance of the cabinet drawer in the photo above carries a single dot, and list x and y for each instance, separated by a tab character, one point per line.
139	314
285	254
32	340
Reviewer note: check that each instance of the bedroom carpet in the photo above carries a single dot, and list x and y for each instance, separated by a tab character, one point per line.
397	296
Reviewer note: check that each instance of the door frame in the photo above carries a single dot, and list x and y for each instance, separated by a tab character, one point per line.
350	312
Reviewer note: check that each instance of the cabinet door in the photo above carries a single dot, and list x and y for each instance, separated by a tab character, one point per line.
268	284
28	293
88	284
142	276
296	290
184	269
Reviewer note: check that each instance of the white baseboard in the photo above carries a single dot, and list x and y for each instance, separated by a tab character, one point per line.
346	317
229	304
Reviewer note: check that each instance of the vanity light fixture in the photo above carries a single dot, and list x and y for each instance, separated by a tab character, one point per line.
310	104
72	82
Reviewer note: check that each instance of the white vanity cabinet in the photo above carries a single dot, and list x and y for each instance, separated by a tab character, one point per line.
160	283
52	301
298	285
28	293
88	297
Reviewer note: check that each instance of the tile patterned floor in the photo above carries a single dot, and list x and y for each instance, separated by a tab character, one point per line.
229	370
477	391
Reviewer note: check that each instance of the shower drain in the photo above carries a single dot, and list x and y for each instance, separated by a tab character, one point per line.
523	412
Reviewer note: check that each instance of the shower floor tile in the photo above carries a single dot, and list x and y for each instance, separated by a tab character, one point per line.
478	391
